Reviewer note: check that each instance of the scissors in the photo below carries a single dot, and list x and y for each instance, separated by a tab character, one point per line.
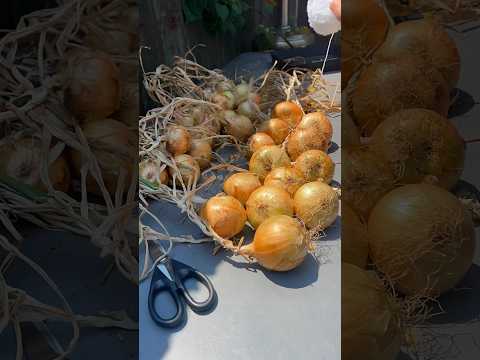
169	277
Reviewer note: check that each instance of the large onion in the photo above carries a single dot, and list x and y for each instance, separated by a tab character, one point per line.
428	40
267	158
241	185
288	111
92	85
354	238
151	171
285	177
258	140
386	87
419	144
315	165
316	204
225	215
280	244
371	325
278	129
267	201
178	140
201	151
422	238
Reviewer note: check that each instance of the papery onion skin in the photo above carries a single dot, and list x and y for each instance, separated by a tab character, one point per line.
240	127
267	201
422	238
419	143
280	244
225	215
258	140
288	111
315	165
150	171
285	177
241	185
267	158
354	238
188	168
316	204
178	140
371	325
201	151
277	129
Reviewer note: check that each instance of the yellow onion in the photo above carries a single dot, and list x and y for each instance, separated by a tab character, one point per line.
258	140
427	40
366	177
150	171
113	145
278	129
22	161
267	201
371	325
178	140
188	169
92	86
354	238
241	92
288	111
285	177
128	113
316	204
240	127
315	165
248	108
386	87
201	151
225	215
267	158
241	185
422	238
419	144
280	244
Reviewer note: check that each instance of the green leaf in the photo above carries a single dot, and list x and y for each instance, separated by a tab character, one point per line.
222	11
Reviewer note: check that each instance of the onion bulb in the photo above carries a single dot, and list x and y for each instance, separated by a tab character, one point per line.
241	185
267	201
315	165
278	129
285	177
225	100
225	215
371	325
92	86
240	127
249	109
258	140
288	111
188	169
354	238
178	140
418	144
280	244
199	115
316	204
150	171
386	87
128	113
350	132
22	161
422	238
267	158
201	151
241	92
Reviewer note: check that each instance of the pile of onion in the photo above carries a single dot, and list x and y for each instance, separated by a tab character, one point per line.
225	215
285	177
422	238
267	201
354	238
152	171
241	185
266	159
371	325
418	144
277	129
315	165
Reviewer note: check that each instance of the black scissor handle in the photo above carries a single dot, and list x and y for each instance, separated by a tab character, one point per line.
158	285
185	272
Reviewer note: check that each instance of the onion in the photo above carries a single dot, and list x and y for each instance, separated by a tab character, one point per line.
22	161
241	92
92	86
368	25
316	204
188	169
366	177
426	39
315	165
419	144
226	100
241	185
285	177
267	201
258	140
248	108
267	158
240	127
178	140
350	132
278	129
280	244
201	151
288	111
198	115
150	171
422	238
354	238
227	85
370	323
128	113
225	215
113	145
386	87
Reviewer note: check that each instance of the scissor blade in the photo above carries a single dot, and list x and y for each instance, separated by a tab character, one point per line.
161	266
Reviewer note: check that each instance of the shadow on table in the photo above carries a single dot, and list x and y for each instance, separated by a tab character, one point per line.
463	103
